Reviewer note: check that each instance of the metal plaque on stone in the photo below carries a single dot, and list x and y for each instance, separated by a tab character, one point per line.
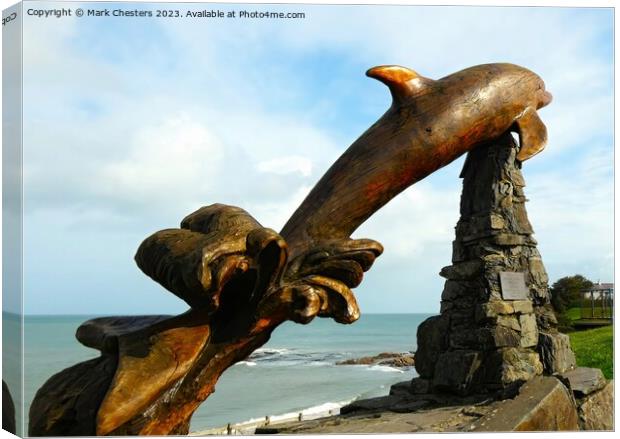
513	285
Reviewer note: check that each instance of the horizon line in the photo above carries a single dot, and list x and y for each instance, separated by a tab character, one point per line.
134	315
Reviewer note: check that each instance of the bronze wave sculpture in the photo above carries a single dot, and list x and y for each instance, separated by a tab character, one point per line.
242	280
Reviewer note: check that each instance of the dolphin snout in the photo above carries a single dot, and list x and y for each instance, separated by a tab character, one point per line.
544	98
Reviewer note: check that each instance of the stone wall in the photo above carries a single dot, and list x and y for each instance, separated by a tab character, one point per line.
488	336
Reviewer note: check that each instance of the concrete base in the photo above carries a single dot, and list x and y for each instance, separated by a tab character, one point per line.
542	404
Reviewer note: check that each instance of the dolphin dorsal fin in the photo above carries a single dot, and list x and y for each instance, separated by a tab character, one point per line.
401	81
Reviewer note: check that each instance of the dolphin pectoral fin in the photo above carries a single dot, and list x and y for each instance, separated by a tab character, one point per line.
401	81
532	134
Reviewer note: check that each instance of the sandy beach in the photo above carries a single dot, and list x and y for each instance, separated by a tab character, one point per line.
248	427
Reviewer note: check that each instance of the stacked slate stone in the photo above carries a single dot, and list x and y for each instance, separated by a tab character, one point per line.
482	341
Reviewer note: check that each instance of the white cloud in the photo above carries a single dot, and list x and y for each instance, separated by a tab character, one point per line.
571	210
275	214
419	218
416	230
286	165
165	163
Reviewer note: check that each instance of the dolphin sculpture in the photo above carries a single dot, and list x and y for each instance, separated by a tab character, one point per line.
430	124
241	280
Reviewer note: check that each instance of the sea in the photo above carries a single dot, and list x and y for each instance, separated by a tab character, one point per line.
295	371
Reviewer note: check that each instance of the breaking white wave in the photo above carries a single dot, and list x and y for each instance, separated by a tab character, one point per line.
317	411
281	357
270	351
334	407
380	368
247	363
320	363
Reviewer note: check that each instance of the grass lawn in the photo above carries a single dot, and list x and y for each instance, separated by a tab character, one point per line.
594	348
575	313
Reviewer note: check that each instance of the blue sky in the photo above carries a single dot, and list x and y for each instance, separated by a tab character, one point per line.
129	125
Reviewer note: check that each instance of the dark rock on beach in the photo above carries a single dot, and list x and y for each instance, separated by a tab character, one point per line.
392	359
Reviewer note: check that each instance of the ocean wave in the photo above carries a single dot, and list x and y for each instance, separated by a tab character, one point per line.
326	407
270	351
320	363
290	357
289	362
247	363
283	357
320	410
381	368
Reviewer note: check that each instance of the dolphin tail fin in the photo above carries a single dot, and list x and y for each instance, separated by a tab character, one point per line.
401	81
532	134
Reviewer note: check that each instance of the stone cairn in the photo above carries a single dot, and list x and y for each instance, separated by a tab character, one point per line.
489	335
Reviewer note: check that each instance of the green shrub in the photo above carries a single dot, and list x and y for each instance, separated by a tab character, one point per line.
566	292
565	323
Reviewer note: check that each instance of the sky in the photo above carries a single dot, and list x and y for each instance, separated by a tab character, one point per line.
131	124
